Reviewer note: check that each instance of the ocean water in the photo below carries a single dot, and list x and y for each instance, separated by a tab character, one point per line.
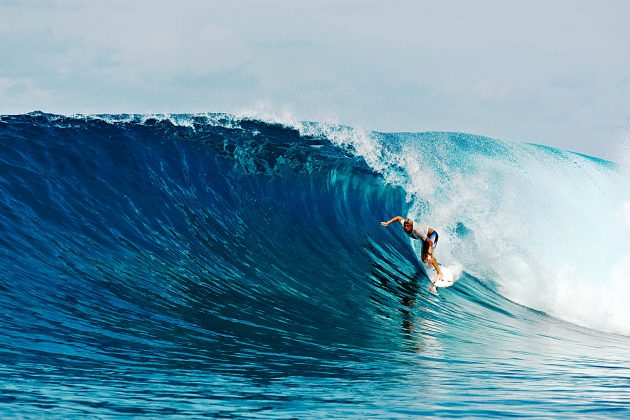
191	265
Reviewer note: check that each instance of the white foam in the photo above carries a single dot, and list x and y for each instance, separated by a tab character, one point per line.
548	228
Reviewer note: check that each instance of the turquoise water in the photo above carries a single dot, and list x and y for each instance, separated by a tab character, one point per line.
215	265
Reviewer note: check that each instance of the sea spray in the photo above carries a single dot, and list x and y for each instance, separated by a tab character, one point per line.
547	227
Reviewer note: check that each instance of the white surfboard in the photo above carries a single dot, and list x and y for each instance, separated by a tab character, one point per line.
445	280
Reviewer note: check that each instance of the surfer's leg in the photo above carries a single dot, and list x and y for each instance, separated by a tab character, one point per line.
425	247
429	252
435	264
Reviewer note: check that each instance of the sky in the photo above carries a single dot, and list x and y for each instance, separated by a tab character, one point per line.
548	72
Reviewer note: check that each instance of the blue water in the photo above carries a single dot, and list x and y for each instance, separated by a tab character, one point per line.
215	265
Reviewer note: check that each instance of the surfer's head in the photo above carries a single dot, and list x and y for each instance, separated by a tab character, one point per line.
408	225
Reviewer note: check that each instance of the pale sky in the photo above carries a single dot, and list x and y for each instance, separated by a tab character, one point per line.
549	72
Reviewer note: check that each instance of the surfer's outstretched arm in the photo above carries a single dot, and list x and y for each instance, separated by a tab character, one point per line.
395	219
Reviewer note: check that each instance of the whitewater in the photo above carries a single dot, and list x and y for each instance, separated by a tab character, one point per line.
222	265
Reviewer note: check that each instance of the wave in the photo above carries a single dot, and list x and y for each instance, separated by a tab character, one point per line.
546	228
111	222
241	246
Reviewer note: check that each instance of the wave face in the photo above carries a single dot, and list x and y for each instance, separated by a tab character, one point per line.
217	265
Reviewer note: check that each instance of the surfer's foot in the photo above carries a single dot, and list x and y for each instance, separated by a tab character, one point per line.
432	288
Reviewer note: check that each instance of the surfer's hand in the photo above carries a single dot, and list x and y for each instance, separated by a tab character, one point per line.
384	224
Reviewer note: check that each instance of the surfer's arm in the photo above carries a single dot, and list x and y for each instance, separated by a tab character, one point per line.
395	219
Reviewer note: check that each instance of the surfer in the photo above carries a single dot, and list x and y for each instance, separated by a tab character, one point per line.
428	236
